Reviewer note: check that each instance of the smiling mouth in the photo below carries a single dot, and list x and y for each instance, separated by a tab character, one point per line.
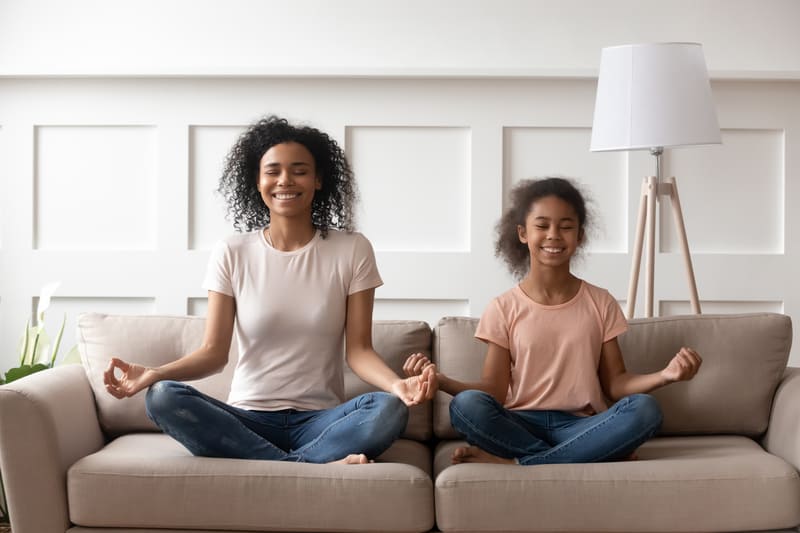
285	195
551	250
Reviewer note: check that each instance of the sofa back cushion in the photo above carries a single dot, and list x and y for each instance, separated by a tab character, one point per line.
148	340
744	357
153	340
395	340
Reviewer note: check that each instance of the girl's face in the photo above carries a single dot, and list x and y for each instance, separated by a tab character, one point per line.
551	231
287	180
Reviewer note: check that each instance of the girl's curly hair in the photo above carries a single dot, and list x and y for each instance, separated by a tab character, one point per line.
333	205
508	247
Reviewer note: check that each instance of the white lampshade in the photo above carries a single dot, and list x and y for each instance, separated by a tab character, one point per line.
653	95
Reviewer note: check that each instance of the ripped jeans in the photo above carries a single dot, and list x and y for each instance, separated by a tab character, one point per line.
367	424
543	437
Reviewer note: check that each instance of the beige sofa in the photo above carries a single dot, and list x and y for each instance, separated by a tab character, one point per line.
76	460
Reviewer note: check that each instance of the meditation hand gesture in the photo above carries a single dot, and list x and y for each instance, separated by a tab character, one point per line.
133	379
418	388
683	366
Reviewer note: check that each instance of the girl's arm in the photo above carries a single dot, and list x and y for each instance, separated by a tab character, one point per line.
495	375
369	366
209	358
617	382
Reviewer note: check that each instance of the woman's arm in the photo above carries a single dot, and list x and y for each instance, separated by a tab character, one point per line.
495	375
617	382
209	358
369	366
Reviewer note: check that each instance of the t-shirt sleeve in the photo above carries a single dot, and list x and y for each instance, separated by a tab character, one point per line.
220	270
493	326
365	268
614	322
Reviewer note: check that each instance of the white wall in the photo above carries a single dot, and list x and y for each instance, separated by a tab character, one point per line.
484	37
108	160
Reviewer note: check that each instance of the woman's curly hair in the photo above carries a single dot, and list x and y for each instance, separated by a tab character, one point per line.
508	247
333	204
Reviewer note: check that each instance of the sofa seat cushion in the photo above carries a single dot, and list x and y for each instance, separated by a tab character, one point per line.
148	480
705	483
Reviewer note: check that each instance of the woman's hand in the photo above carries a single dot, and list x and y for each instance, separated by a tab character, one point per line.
419	388
683	366
133	378
415	364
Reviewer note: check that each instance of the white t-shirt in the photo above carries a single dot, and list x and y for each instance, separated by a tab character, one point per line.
290	315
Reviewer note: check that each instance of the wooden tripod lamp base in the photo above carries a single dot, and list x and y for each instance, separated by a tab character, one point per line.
652	189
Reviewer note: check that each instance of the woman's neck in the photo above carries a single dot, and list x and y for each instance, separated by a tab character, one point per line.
550	286
287	237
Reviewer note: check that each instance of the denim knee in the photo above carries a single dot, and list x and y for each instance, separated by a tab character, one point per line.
161	398
392	411
647	410
467	402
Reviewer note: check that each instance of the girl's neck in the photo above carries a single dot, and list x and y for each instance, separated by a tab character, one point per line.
550	287
287	237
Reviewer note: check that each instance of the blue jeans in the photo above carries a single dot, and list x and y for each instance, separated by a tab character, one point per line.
367	424
543	437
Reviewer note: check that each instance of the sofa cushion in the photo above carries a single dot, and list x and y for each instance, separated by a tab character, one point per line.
395	340
148	480
705	483
148	340
744	357
153	340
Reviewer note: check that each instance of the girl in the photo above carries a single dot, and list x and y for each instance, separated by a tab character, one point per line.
553	356
296	288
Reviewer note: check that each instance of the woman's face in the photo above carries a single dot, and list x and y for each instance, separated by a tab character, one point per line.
287	180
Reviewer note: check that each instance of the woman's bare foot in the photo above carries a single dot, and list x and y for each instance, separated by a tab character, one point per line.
473	454
353	459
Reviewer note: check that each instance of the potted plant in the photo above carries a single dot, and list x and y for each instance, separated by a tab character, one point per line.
35	355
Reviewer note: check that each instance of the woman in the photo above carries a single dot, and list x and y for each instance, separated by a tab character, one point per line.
296	287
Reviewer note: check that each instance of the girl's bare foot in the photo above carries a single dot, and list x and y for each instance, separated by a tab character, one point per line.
473	454
353	459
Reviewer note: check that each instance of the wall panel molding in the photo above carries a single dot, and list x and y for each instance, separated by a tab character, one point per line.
434	159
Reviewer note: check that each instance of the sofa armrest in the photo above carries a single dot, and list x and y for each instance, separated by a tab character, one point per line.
783	433
48	421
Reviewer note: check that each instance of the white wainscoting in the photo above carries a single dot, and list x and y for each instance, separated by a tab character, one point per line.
108	185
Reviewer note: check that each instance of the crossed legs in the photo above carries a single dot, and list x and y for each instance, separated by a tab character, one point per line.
353	432
541	437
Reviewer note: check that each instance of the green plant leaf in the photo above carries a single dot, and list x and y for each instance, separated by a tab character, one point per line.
25	340
39	352
35	346
58	341
14	374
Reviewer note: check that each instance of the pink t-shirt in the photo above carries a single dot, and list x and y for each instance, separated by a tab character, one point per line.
291	309
555	349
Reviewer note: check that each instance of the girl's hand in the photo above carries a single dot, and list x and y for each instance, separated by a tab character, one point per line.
133	378
415	364
683	366
417	389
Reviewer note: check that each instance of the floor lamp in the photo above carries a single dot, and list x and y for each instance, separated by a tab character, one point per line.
652	97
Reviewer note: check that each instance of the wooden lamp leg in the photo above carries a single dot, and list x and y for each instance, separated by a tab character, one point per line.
646	220
652	196
636	257
677	217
